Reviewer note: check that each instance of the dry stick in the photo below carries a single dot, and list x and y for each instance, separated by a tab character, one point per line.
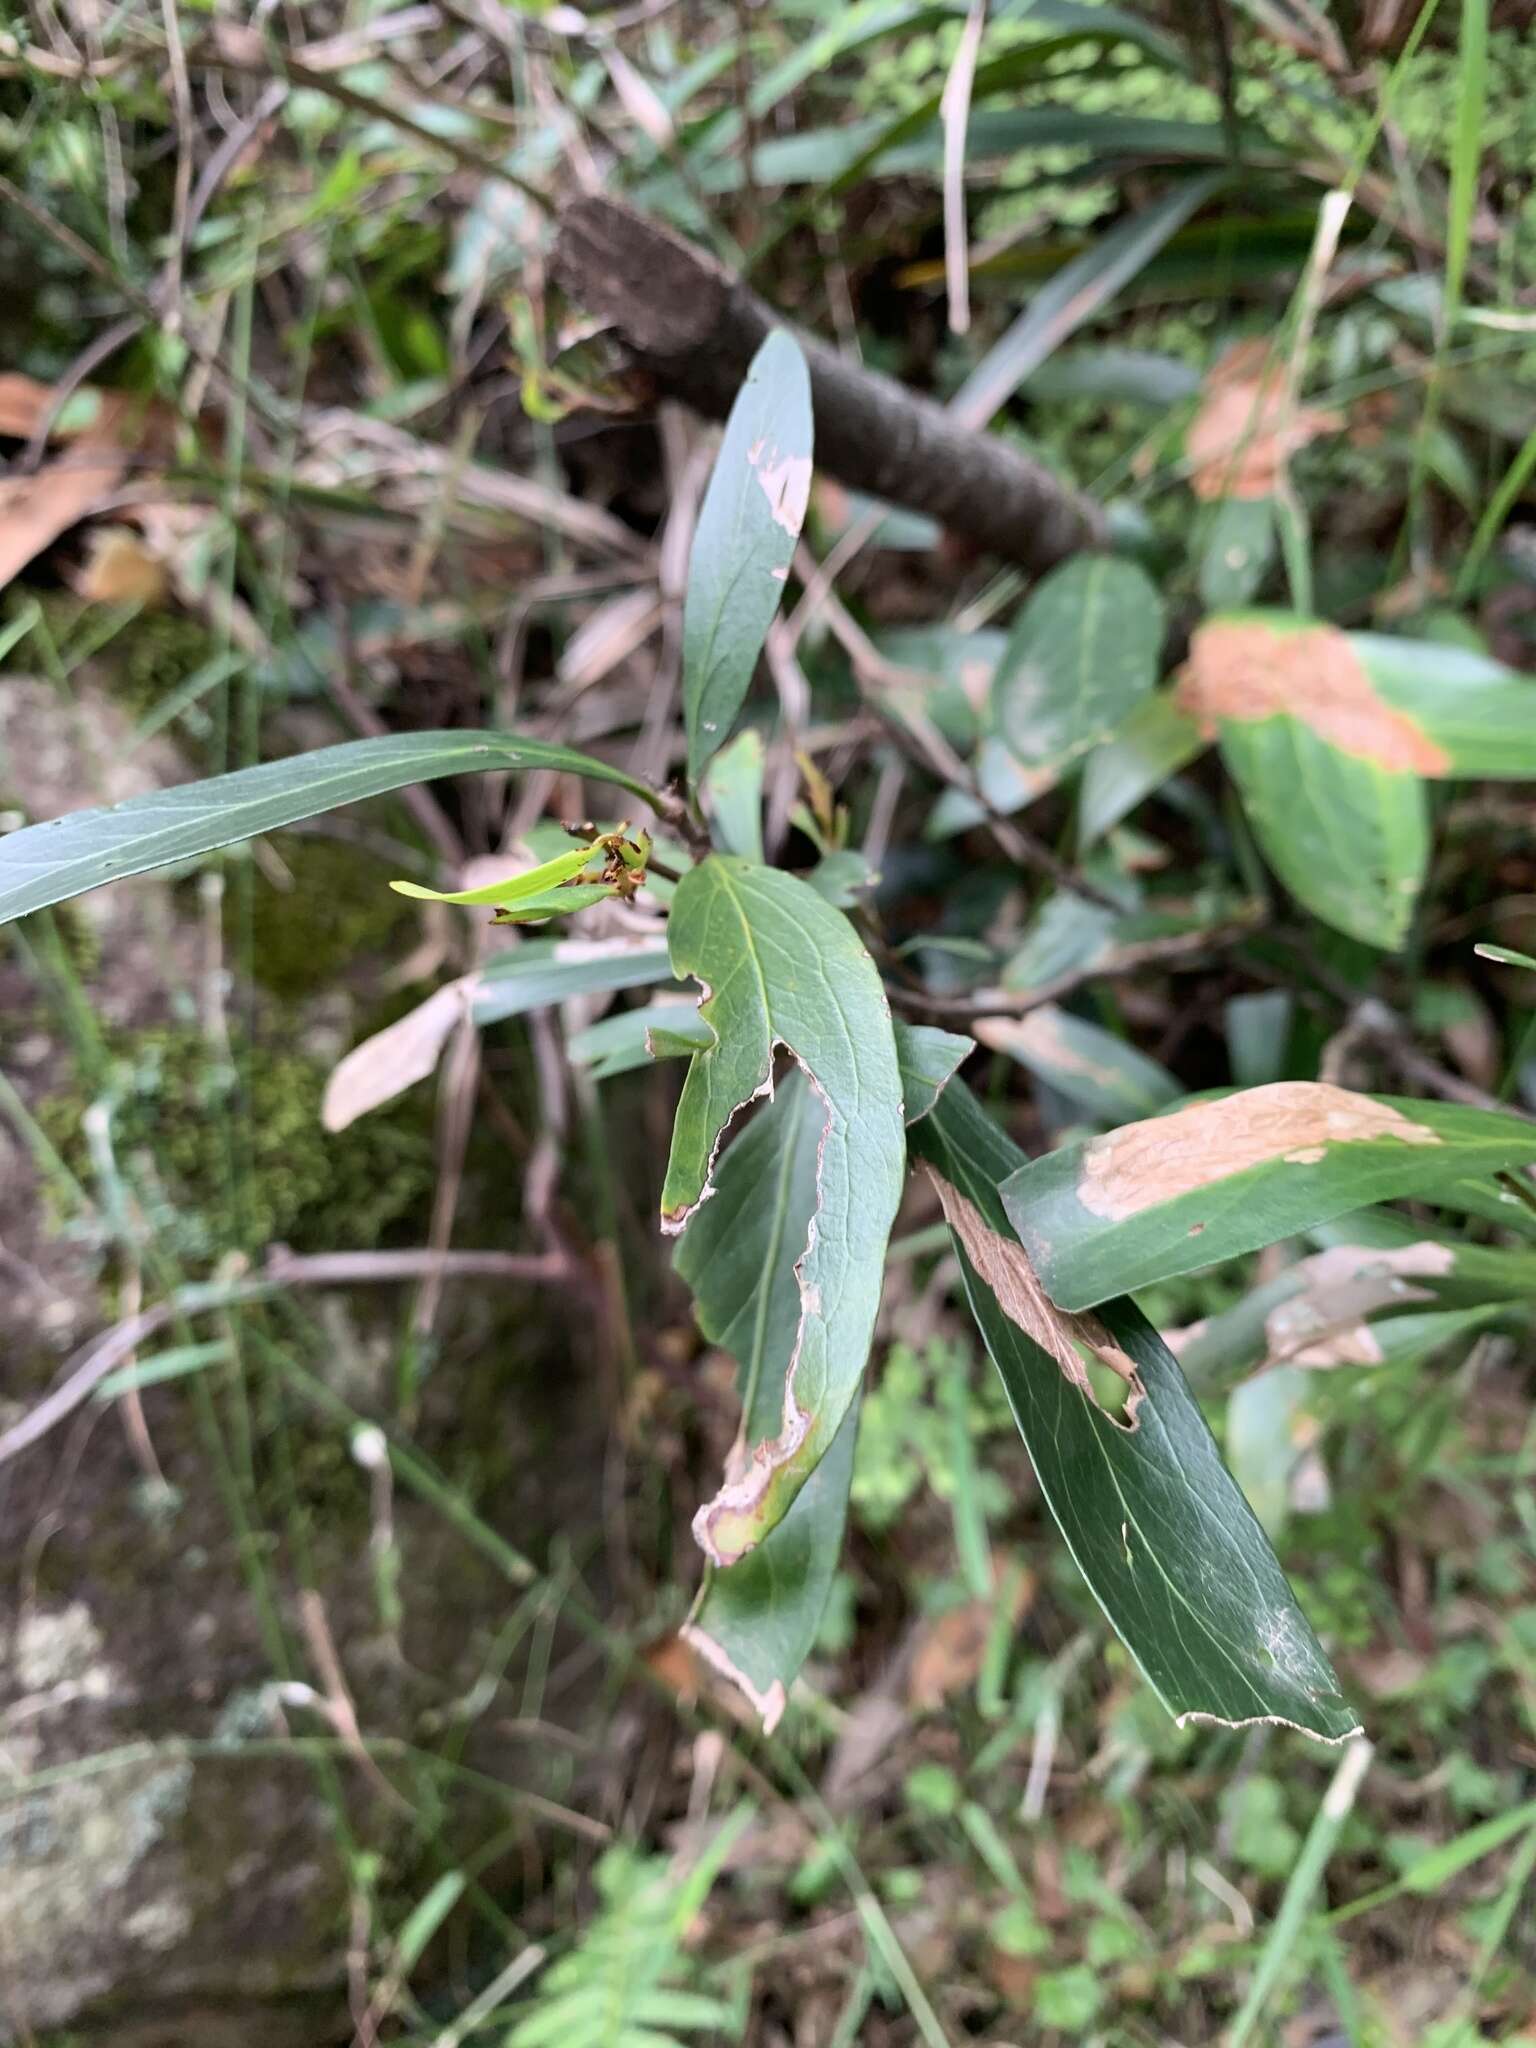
181	102
91	1365
955	113
694	328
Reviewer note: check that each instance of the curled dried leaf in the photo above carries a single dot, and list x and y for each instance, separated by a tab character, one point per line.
397	1057
1324	1323
1153	1162
1245	669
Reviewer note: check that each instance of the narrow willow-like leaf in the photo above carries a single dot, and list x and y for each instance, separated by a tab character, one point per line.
1082	655
545	971
1086	284
782	968
757	1619
1106	1078
733	796
512	889
1228	1174
43	864
1159	1529
1156	741
745	541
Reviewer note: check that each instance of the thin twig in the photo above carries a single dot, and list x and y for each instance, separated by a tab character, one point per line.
284	1269
955	112
181	218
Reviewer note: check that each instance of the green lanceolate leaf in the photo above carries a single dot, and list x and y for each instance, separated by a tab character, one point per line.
1081	656
43	864
1227	1174
1105	1077
757	1620
544	971
928	1059
1157	1525
1155	742
782	968
512	891
745	542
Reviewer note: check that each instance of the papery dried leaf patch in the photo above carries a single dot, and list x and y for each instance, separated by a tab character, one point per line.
1246	429
1246	669
1161	1158
1003	1265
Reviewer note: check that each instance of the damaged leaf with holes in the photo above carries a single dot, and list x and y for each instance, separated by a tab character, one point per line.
756	1620
1158	1526
782	969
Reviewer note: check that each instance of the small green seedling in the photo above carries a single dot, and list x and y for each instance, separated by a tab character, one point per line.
559	886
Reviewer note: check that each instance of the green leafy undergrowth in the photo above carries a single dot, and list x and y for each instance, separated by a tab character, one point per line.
630	1982
232	1156
905	1438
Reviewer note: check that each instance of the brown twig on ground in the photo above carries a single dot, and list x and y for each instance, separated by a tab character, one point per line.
694	328
283	1269
1373	1023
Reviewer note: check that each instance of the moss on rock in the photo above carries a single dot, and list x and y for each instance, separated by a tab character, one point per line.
338	910
232	1156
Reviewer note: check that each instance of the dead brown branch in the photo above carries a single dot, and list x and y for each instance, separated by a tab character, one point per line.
694	328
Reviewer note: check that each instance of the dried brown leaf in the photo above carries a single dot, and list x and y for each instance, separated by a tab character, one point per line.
120	569
35	508
24	405
951	1647
395	1058
1324	1324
